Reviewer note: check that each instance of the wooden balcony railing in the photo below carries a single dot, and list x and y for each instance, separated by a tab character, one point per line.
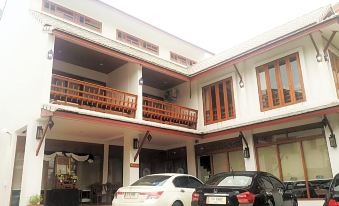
167	113
68	91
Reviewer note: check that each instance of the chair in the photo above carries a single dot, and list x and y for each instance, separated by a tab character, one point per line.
96	192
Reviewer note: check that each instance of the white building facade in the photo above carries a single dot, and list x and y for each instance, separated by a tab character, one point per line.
84	79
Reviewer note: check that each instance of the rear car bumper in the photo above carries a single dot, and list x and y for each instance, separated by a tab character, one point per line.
145	203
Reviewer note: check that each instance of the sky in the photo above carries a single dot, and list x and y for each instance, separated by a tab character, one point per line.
216	25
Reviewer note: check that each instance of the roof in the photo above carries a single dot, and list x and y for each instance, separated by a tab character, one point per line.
296	25
94	37
155	27
281	32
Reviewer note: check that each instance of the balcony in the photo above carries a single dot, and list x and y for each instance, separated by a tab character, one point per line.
167	113
72	92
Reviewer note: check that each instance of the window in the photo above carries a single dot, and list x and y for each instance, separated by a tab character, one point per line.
181	59
300	159
280	83
152	180
137	42
70	15
181	182
265	183
218	100
194	183
230	180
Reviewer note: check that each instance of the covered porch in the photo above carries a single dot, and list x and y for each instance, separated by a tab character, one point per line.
86	159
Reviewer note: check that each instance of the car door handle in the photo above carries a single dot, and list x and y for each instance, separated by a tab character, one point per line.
182	190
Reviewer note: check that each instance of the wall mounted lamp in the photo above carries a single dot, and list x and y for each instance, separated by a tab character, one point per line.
135	143
39	132
246	149
47	28
141	81
241	82
50	54
331	138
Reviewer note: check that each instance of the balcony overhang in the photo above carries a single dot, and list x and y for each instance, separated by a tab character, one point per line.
116	54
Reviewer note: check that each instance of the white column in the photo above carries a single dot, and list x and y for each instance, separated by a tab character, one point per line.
8	143
130	167
190	153
250	163
333	152
139	90
105	164
32	167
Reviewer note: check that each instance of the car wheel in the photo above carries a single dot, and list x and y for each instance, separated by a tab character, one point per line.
177	203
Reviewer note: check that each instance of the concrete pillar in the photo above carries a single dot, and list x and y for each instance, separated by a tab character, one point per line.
32	167
250	163
105	164
8	142
139	92
130	167
190	153
333	152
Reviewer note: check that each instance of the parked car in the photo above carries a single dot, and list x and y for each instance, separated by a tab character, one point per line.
158	190
250	188
332	196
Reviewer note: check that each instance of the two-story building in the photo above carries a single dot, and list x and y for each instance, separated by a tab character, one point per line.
120	99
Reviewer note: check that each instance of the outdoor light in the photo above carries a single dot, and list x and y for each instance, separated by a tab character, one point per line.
241	83
50	123
331	138
50	54
135	143
47	27
39	132
141	81
326	58
246	149
319	58
149	137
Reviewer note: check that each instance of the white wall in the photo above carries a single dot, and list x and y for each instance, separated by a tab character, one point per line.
25	75
153	91
113	19
317	77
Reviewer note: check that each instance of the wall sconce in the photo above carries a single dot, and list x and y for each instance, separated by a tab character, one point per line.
135	143
241	82
331	138
326	57
141	81
47	28
39	132
50	54
50	123
319	58
246	149
149	137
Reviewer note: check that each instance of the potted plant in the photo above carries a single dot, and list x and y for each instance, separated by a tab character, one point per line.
34	200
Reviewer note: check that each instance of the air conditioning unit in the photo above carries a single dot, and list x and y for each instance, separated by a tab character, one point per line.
171	95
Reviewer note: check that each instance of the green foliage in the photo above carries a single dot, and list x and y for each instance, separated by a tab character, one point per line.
35	200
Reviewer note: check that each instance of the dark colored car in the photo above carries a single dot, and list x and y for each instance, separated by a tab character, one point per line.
246	188
332	197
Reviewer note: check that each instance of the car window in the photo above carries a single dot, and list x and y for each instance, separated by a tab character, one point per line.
265	183
194	183
181	181
230	180
336	184
276	183
153	180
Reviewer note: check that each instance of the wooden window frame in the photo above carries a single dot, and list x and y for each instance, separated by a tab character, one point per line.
140	43
75	17
279	83
175	57
216	85
302	155
334	59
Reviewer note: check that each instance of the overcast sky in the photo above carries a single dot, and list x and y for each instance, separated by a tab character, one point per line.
216	25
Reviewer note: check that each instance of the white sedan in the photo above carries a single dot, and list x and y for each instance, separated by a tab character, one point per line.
166	189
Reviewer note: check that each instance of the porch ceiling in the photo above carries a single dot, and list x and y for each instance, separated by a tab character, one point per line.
84	131
159	80
84	57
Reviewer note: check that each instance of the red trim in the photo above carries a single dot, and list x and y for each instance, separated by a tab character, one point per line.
303	116
107	51
264	48
141	127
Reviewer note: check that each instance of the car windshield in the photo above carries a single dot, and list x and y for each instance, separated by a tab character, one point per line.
230	180
154	180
